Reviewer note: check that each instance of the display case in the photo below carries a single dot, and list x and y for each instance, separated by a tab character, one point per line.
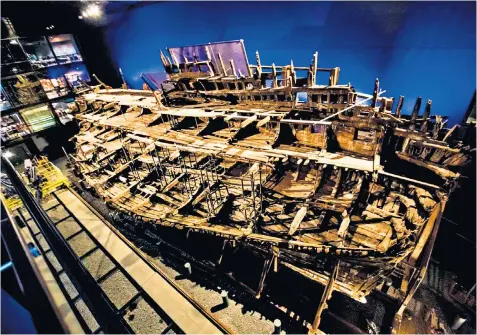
39	52
65	48
55	87
39	76
23	89
14	60
63	109
78	76
38	117
5	102
67	76
13	127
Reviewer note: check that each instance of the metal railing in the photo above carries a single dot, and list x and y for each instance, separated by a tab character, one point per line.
91	292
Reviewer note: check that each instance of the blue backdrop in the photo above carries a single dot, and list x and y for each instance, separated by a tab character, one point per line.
422	49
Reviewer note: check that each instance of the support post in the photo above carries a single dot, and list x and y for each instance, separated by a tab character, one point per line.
312	71
259	65
266	268
274	76
399	106
430	238
425	116
415	112
324	298
375	93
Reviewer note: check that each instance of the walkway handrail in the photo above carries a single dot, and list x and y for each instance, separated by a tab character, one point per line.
106	315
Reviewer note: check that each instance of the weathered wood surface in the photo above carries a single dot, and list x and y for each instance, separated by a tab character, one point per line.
297	181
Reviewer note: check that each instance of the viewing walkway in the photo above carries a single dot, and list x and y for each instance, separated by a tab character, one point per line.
146	301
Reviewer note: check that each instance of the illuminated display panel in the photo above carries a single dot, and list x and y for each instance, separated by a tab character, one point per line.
231	50
65	48
39	53
155	79
13	127
55	87
76	75
24	89
38	117
63	109
5	102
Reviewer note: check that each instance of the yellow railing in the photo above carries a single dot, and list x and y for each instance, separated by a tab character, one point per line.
51	179
12	202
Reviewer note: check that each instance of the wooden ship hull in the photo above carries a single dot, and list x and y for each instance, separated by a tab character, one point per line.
332	188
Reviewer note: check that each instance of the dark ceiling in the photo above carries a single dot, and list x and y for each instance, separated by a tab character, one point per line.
31	18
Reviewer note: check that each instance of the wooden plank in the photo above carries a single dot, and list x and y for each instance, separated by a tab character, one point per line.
300	215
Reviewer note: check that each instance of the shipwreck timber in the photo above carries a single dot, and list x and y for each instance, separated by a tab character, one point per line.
334	184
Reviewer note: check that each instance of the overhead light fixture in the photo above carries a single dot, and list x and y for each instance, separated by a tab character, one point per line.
91	11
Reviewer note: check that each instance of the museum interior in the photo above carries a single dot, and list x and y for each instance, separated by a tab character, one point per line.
191	167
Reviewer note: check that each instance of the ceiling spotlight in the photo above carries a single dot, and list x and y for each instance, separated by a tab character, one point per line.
94	10
80	17
91	11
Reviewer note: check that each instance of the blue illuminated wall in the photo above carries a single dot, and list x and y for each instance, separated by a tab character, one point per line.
414	48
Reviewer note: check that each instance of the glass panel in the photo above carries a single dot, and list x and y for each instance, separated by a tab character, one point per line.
39	53
65	48
38	117
23	89
55	87
12	51
63	109
231	50
5	102
155	79
13	127
75	74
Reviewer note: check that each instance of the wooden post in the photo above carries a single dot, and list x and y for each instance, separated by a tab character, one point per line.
390	105
375	93
382	105
174	59
415	110
312	70
324	298
425	116
164	60
399	106
292	73
428	235
266	268
211	70
221	62
232	66
274	76
336	74
259	65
